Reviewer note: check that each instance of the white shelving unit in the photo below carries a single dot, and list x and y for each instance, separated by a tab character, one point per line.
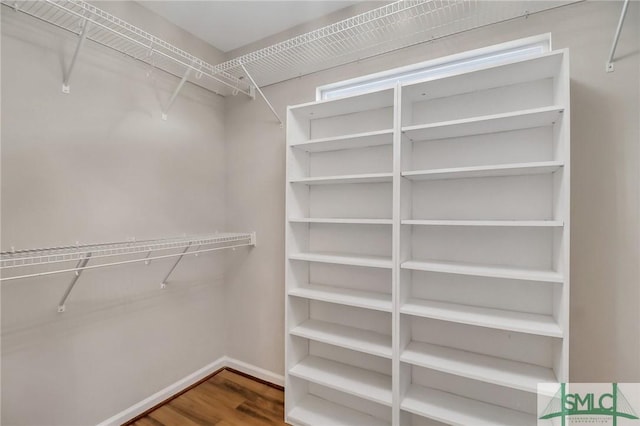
427	269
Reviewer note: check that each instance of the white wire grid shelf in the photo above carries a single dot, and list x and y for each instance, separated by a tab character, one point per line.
20	260
111	31
393	26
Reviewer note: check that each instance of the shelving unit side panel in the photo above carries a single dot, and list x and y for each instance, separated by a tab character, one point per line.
397	202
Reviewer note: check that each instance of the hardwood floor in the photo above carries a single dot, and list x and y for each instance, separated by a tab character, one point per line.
226	399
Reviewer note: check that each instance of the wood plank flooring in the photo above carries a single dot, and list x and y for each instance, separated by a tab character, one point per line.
226	399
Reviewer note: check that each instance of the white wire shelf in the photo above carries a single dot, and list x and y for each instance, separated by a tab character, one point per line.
111	31
396	25
21	259
33	262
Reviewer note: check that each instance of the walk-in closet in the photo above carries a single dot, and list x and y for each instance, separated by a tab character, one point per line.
320	213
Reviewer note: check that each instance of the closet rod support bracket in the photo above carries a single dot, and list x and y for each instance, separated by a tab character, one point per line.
82	263
610	63
255	87
175	94
83	36
163	283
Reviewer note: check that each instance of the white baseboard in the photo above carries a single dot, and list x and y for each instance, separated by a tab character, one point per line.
252	370
166	393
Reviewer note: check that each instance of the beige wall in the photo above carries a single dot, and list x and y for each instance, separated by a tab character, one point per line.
100	165
605	277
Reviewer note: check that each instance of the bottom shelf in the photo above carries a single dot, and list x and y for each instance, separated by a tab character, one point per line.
452	409
313	411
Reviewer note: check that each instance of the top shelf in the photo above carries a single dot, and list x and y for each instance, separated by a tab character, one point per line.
348	105
540	67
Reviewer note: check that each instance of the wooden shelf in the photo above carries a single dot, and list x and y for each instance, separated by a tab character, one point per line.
349	221
487	223
352	338
453	409
521	322
343	296
494	123
491	271
353	141
313	411
333	180
359	382
520	169
499	371
344	259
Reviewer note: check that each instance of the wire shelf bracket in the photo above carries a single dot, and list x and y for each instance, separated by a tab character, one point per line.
26	260
83	36
616	37
263	96
79	268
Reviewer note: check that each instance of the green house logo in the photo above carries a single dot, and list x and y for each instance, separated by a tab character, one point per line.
565	404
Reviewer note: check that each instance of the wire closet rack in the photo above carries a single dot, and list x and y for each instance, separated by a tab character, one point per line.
393	26
90	22
20	264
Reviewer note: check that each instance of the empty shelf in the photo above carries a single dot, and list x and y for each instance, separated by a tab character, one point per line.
354	221
517	70
358	140
331	180
499	371
374	99
452	409
356	381
344	259
312	411
494	223
521	322
494	123
344	336
344	296
491	271
519	169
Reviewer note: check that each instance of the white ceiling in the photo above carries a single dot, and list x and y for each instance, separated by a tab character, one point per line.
228	25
